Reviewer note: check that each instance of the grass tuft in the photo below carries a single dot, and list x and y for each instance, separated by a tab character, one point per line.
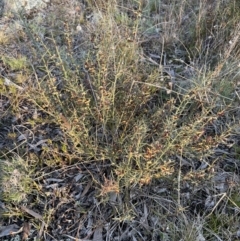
123	113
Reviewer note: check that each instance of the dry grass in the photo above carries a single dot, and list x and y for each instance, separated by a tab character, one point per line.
123	115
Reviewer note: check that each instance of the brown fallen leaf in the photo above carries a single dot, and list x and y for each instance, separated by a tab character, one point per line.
66	124
26	230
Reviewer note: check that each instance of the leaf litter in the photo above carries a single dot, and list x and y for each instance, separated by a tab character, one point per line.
83	202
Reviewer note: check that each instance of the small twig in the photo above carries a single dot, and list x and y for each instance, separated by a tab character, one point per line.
8	82
223	195
160	87
88	84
